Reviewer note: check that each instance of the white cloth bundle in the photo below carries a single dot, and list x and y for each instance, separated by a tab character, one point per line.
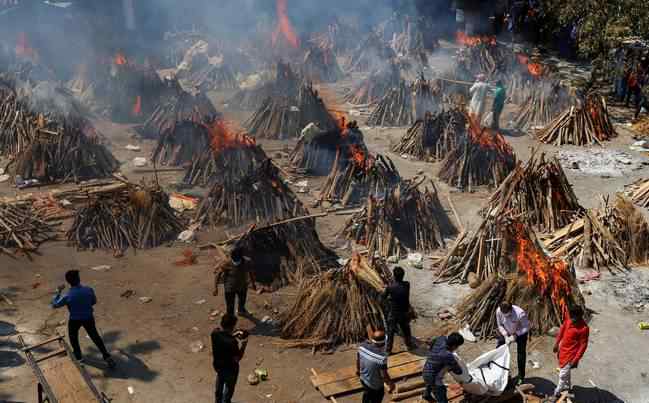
487	374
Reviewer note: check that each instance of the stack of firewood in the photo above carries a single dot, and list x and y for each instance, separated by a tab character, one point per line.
407	219
356	175
538	193
335	306
545	101
396	108
588	122
259	196
137	216
543	286
285	84
370	54
427	96
284	117
373	88
434	136
24	229
484	158
210	77
18	127
320	65
638	192
485	55
315	151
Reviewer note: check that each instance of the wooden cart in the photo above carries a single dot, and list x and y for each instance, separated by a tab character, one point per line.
61	379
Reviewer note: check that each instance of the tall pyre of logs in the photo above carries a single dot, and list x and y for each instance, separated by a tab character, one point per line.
406	220
483	159
135	216
544	287
17	125
538	193
231	154
320	65
587	122
547	98
285	116
260	196
482	55
373	88
370	54
335	307
396	108
180	124
284	84
434	136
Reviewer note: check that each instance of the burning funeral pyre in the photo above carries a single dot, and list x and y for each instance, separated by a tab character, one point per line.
406	220
285	84
285	117
320	65
373	88
484	158
24	229
538	193
543	286
231	154
404	104
203	72
335	307
434	136
588	122
260	196
546	100
370	54
180	124
338	36
482	55
356	175
135	216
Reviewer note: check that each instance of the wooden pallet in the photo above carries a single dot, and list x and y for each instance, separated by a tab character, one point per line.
61	379
345	380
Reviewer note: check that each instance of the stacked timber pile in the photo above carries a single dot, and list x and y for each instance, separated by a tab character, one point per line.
339	36
373	88
588	122
285	117
356	175
335	306
285	84
484	158
320	65
231	154
211	76
259	196
483	55
434	136
638	192
370	54
24	229
406	220
287	252
546	100
426	95
543	286
315	151
641	128
135	216
17	125
396	108
539	193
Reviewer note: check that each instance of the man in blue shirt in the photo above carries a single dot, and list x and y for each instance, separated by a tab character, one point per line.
372	366
440	360
79	301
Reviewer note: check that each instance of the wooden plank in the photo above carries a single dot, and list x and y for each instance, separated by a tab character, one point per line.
50	355
350	372
51	339
353	384
66	381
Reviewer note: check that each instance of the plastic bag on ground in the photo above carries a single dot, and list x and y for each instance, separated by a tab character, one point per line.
486	375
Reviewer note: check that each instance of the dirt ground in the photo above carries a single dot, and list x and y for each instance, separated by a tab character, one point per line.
152	342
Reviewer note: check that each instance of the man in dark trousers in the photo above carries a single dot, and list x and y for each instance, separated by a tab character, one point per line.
513	327
440	360
500	95
226	354
79	300
372	366
235	273
398	294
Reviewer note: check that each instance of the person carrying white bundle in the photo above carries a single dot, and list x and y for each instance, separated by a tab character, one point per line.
513	327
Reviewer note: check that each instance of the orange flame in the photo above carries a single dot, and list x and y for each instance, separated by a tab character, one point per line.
535	69
487	138
284	27
224	136
357	155
120	59
466	40
23	49
137	106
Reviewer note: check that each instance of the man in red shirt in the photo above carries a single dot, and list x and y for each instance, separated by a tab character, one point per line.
571	345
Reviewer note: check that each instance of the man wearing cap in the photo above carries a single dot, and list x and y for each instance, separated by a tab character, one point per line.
372	366
235	273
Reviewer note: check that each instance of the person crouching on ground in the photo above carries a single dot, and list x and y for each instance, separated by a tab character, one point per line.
79	300
514	326
372	366
571	344
226	354
235	273
398	293
440	360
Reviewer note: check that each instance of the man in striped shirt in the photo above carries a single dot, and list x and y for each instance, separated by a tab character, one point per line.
372	367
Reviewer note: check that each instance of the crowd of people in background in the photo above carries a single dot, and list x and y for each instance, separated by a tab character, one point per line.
632	80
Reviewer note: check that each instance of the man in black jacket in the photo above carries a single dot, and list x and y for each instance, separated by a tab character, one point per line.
440	360
398	294
226	354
